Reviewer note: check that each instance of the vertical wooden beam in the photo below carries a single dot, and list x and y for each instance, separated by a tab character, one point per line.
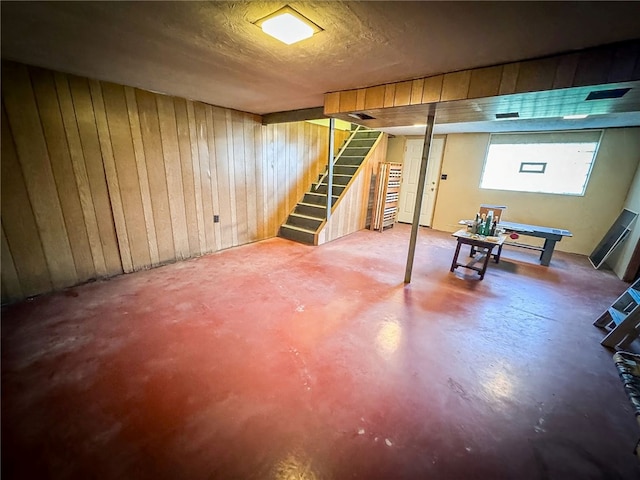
332	130
416	211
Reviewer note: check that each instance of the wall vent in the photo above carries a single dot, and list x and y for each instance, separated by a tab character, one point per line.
605	94
361	116
502	116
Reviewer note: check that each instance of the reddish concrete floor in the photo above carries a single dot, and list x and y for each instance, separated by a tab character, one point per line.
277	360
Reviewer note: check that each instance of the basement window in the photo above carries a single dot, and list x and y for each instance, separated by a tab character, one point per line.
549	162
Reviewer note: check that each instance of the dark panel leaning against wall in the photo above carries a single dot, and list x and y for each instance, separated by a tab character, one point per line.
100	179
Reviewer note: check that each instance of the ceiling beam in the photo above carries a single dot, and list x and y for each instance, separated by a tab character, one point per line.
315	113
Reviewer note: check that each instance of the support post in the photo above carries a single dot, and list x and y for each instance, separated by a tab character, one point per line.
420	192
332	124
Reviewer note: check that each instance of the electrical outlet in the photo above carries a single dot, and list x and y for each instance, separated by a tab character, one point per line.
216	218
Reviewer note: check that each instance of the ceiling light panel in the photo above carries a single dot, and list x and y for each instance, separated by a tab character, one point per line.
288	26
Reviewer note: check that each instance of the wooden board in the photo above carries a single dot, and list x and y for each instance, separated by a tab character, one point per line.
613	238
64	176
35	162
76	153
19	224
173	173
96	176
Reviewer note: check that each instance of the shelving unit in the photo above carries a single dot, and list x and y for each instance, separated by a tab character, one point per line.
622	319
387	193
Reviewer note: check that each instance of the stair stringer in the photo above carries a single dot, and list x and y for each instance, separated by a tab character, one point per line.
350	212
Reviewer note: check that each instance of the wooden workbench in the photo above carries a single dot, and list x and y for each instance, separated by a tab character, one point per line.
550	235
477	241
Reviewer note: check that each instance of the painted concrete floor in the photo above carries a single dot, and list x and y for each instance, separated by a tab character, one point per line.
281	361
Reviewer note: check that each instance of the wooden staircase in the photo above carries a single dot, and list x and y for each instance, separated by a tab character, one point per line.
622	319
309	214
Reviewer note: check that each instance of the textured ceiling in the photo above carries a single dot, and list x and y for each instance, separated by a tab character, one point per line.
212	52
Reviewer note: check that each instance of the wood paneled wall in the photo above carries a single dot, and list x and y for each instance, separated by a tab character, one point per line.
607	64
100	179
350	214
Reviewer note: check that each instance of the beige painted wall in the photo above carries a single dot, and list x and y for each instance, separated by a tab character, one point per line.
620	257
395	149
588	217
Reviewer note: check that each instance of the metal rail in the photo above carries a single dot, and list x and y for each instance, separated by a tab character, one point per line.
335	159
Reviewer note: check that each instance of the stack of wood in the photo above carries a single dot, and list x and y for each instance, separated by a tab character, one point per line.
387	193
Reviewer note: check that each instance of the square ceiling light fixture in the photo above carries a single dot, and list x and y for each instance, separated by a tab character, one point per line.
288	26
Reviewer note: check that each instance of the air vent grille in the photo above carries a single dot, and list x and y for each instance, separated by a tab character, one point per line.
501	116
607	94
361	116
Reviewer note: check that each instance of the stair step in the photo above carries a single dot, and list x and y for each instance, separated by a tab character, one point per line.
345	169
366	134
297	234
346	159
362	142
305	221
341	179
350	151
318	198
322	188
311	210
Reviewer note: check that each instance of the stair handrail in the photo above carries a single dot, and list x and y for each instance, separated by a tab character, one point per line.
335	159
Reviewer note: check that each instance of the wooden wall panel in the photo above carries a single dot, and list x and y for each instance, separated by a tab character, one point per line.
251	178
65	179
173	174
348	101
389	95
536	75
240	178
35	162
155	172
594	66
95	169
197	186
100	179
11	288
143	176
225	171
374	97
215	201
127	175
19	223
566	71
111	175
187	176
332	103
455	86
361	98
261	175
202	139
86	198
417	87
403	94
485	82
432	89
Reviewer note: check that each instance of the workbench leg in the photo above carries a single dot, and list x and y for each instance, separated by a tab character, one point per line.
545	256
455	258
486	262
497	255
